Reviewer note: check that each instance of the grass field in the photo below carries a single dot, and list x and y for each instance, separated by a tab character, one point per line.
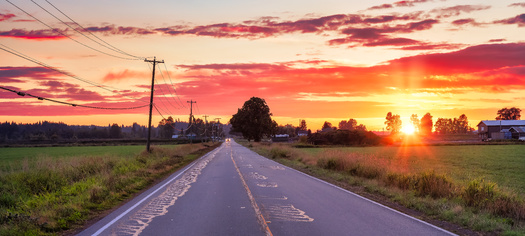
49	190
479	187
502	164
16	157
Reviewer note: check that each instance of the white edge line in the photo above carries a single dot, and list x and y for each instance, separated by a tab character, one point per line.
145	198
359	196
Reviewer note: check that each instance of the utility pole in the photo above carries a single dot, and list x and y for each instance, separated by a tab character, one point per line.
151	98
191	109
217	128
206	126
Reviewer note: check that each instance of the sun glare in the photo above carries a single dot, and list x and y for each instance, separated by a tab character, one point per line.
408	129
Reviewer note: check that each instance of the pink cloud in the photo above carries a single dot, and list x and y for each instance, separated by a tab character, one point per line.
34	34
457	10
6	17
519	20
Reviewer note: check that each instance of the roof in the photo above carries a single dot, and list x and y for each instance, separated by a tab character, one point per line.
520	129
503	122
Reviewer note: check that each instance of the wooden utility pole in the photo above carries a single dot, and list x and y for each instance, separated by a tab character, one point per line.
191	109
151	99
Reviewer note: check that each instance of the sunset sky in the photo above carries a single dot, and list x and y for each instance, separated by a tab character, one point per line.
327	60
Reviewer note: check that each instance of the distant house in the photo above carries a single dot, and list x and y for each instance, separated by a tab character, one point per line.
281	138
518	132
491	129
302	133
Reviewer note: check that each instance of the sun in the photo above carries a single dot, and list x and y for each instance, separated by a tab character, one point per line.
408	129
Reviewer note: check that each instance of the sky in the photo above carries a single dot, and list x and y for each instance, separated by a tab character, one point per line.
320	61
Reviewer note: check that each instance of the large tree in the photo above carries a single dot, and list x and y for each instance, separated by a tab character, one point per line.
426	124
512	113
393	123
254	120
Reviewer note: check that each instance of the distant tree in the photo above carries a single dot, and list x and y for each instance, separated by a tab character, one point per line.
166	127
393	123
512	113
444	126
327	125
302	125
115	131
415	122
351	124
426	124
461	124
361	127
254	120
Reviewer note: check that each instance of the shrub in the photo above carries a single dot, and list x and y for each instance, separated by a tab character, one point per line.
433	185
478	193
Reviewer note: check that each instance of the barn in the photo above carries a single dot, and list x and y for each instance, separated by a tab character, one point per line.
518	132
490	129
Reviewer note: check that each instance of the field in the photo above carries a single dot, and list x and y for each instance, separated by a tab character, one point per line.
479	187
53	190
501	164
13	156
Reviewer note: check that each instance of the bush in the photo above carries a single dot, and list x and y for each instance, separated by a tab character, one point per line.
423	184
433	185
478	193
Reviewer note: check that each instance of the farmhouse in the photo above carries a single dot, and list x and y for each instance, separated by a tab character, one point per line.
492	129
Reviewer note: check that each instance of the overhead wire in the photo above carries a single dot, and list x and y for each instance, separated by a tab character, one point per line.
65	35
159	98
173	86
20	93
178	102
109	46
101	86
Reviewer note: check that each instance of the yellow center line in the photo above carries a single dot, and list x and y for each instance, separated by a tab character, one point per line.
260	217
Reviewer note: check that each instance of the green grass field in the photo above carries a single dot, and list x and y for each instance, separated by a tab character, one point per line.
479	187
502	164
48	190
12	157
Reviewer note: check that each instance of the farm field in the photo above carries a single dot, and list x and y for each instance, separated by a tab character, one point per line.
50	190
501	164
12	157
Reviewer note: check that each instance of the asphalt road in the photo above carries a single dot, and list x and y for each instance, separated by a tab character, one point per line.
234	191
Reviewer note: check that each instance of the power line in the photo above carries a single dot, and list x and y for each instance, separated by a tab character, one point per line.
174	92
71	104
21	55
173	86
86	30
161	90
65	35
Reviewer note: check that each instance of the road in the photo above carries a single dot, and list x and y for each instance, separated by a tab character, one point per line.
234	191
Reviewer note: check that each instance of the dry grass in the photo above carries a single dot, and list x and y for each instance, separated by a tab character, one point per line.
481	198
48	195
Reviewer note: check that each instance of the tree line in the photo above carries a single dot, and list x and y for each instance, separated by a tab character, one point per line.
459	125
47	130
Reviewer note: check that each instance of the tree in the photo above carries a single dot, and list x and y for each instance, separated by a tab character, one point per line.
166	127
393	123
426	124
444	126
512	113
115	131
351	124
415	122
253	120
327	125
302	125
461	124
